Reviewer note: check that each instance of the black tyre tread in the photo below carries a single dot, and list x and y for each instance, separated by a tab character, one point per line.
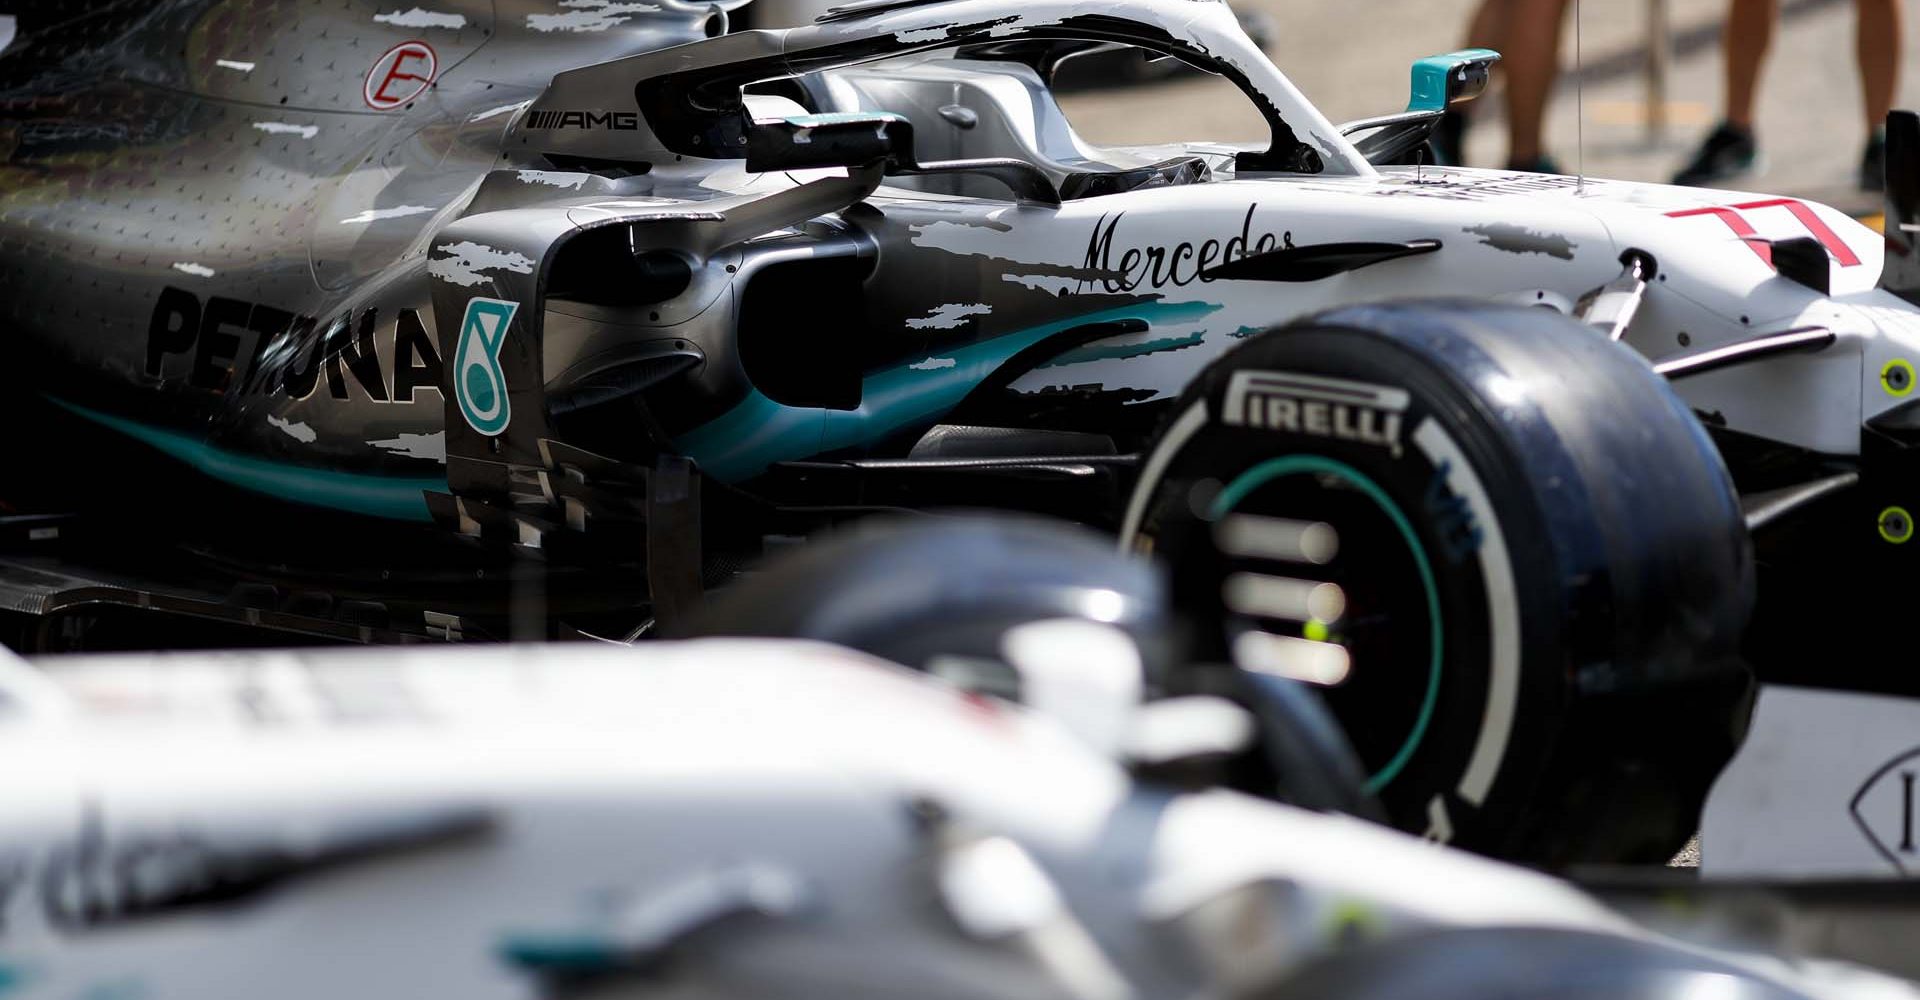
1651	575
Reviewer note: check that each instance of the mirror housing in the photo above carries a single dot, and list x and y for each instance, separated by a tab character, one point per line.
1438	81
1443	80
854	139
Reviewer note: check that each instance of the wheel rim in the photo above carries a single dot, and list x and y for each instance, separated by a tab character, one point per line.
1254	490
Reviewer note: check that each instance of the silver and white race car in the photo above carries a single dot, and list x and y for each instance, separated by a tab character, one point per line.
721	818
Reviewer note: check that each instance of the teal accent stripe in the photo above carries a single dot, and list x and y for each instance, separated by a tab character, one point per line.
391	497
1115	352
740	443
1292	465
549	953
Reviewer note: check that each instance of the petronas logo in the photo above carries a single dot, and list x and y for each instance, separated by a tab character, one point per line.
478	383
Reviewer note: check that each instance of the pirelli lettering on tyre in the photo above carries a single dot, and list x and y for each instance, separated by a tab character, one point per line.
1316	406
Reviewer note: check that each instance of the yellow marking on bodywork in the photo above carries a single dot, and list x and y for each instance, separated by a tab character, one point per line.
1896	377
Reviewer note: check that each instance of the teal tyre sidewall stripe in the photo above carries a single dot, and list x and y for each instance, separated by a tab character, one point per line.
391	497
1297	465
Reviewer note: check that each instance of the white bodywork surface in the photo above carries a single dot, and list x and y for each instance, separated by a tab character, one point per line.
579	797
1714	290
1823	788
782	819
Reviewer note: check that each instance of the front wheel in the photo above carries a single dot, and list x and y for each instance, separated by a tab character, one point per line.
1498	543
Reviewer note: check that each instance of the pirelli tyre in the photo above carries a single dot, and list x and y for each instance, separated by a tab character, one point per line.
1506	552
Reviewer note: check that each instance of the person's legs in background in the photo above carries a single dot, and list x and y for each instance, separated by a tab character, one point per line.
1526	33
1532	61
1730	149
1487	29
1877	45
1483	32
1745	40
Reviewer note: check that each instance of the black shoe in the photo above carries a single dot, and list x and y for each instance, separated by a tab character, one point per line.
1541	164
1873	162
1449	139
1728	152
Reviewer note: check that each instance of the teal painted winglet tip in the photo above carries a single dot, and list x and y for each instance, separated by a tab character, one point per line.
560	953
391	497
1429	91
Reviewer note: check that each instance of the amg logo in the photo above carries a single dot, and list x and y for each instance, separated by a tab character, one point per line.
620	121
1316	406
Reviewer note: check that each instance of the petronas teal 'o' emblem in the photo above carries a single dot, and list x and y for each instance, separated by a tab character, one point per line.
478	383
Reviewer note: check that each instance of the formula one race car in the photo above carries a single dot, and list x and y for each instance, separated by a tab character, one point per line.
514	319
710	819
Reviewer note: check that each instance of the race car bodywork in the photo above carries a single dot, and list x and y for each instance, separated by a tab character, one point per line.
1822	788
527	318
311	342
711	819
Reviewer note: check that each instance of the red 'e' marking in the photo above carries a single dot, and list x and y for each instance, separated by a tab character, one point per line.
410	64
1730	215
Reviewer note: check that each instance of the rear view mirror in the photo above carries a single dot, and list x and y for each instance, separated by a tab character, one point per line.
799	142
1441	80
1438	81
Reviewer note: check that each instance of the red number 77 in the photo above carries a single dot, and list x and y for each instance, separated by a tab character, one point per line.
1730	214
